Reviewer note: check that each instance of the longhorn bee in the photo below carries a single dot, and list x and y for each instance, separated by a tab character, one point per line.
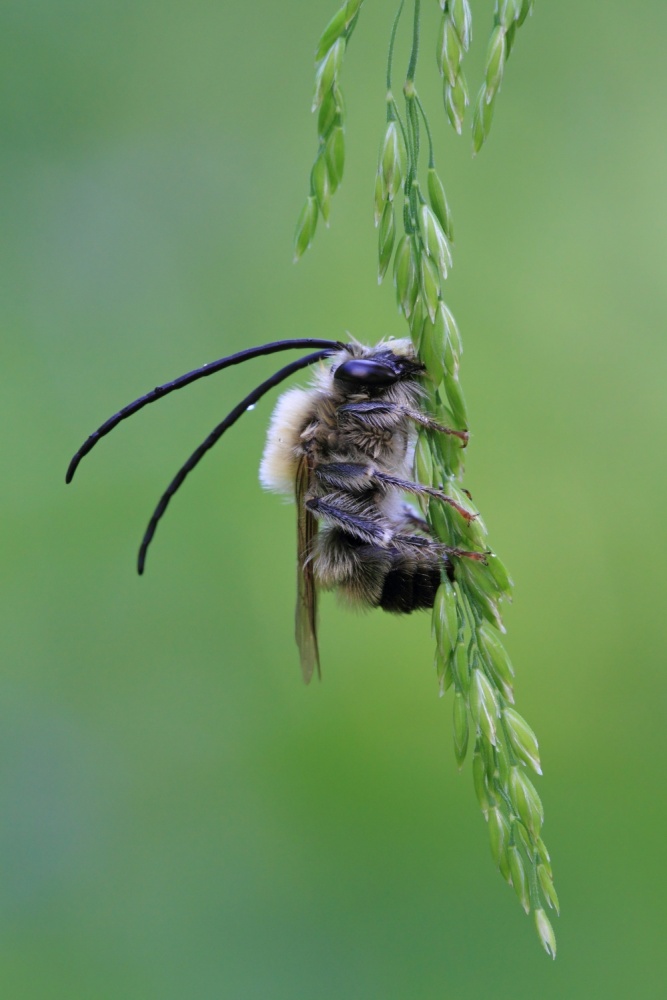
343	448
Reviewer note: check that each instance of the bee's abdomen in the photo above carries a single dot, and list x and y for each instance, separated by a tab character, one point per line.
401	578
410	587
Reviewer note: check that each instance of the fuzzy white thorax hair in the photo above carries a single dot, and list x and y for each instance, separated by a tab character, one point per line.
277	471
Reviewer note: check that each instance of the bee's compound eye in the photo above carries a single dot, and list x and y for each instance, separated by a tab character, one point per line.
358	371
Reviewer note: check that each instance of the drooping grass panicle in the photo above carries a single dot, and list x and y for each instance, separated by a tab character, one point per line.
415	236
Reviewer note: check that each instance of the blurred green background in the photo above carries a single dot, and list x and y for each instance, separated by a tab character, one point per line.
179	816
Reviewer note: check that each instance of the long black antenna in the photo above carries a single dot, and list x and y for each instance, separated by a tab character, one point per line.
179	383
215	435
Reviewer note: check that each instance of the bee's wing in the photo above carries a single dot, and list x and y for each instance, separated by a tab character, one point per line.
306	601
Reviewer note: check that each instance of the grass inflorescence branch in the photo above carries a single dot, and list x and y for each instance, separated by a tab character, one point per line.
454	38
327	171
509	15
415	236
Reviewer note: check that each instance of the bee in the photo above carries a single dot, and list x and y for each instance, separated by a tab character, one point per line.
343	448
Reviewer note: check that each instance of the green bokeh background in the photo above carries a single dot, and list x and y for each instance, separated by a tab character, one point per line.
179	816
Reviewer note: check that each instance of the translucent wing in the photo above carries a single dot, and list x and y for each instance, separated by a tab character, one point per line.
306	601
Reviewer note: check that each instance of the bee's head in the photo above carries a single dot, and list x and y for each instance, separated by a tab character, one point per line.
373	374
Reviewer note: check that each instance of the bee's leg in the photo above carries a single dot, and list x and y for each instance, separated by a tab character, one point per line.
432	425
347	476
453	550
356	519
414	519
418	542
378	415
422	491
353	477
372	414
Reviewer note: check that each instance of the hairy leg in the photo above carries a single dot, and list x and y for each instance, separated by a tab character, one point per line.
380	415
357	478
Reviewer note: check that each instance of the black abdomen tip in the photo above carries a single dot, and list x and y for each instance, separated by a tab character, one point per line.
407	590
